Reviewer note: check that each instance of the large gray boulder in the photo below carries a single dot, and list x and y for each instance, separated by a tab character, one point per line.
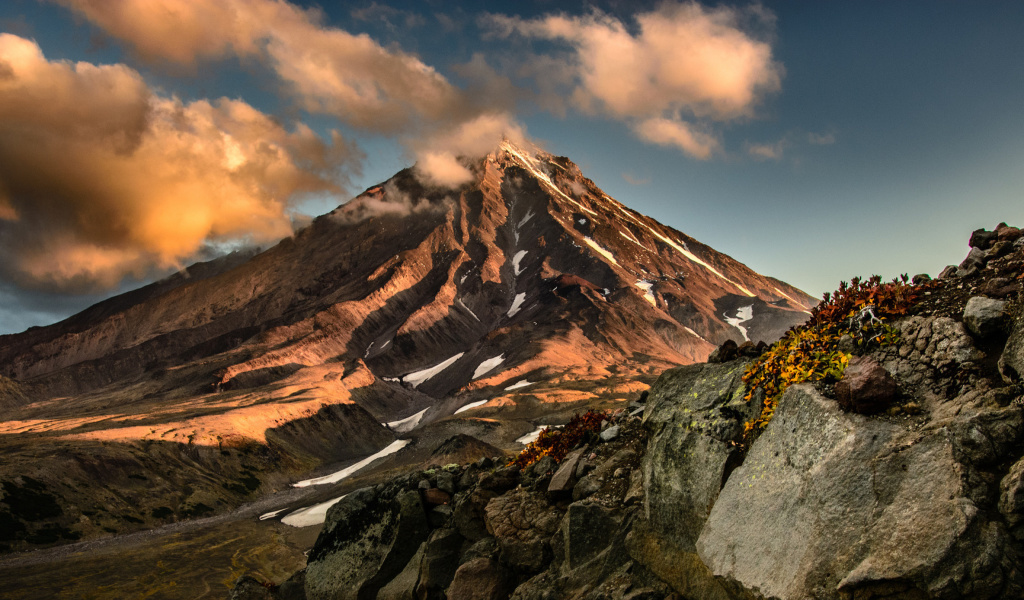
694	417
984	316
1011	363
367	541
830	505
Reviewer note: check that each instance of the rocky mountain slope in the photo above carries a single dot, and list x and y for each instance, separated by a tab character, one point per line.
522	295
901	478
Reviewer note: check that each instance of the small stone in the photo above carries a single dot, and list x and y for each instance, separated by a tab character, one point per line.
1007	233
481	579
610	434
984	316
620	473
976	258
866	387
1000	249
436	497
920	278
585	488
847	344
562	480
724	353
484	463
424	484
983	239
949	272
446	482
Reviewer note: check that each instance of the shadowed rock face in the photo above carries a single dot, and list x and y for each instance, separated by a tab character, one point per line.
404	299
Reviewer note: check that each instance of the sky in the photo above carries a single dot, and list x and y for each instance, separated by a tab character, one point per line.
812	141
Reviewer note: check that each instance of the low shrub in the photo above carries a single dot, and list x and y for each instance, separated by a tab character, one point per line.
556	443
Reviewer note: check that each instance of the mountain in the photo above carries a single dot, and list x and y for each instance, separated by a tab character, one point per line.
523	295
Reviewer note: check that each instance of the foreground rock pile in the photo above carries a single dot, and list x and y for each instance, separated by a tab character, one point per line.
904	480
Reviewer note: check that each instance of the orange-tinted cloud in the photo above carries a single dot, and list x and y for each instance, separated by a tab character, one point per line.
437	155
328	70
682	62
101	178
682	135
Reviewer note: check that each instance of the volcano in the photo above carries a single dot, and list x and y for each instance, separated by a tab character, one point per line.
485	309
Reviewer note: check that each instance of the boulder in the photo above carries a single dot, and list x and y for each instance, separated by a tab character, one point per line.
835	505
726	352
565	477
523	522
481	579
984	316
948	272
610	434
366	541
694	417
586	530
435	497
866	387
1006	233
976	259
248	588
983	239
920	278
999	250
1011	362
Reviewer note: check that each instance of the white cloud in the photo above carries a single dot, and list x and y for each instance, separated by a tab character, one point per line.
679	134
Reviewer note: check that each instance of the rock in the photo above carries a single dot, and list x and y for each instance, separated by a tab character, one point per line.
366	541
249	588
999	287
481	579
949	272
928	347
523	523
586	487
586	530
920	278
439	515
543	466
1011	498
1011	362
866	387
435	497
610	434
983	239
469	514
847	344
565	477
724	353
999	250
635	491
858	508
446	482
294	588
1006	233
439	563
694	416
976	259
984	316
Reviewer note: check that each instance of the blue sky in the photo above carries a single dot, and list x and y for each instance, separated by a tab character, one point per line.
875	135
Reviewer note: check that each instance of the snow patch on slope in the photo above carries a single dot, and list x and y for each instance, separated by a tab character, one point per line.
518	258
407	424
311	515
742	316
469	310
518	384
471	405
647	286
488	365
600	250
517	303
417	377
695	333
337	476
532	436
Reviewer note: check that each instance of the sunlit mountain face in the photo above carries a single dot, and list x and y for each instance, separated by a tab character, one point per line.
518	297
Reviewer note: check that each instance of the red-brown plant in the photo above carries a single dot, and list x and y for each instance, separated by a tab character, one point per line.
556	443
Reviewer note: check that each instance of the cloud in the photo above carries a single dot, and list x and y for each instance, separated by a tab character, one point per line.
438	155
669	132
768	151
102	178
385	200
388	16
821	139
682	58
681	62
328	70
633	180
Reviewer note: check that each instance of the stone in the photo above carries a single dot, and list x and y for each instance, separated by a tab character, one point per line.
469	514
976	259
983	239
1000	287
587	529
635	491
439	515
293	588
481	579
543	466
1011	362
565	477
724	353
831	504
523	522
1008	234
920	278
949	272
446	482
249	588
999	250
366	541
984	316
439	563
847	343
435	497
610	434
586	487
866	387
